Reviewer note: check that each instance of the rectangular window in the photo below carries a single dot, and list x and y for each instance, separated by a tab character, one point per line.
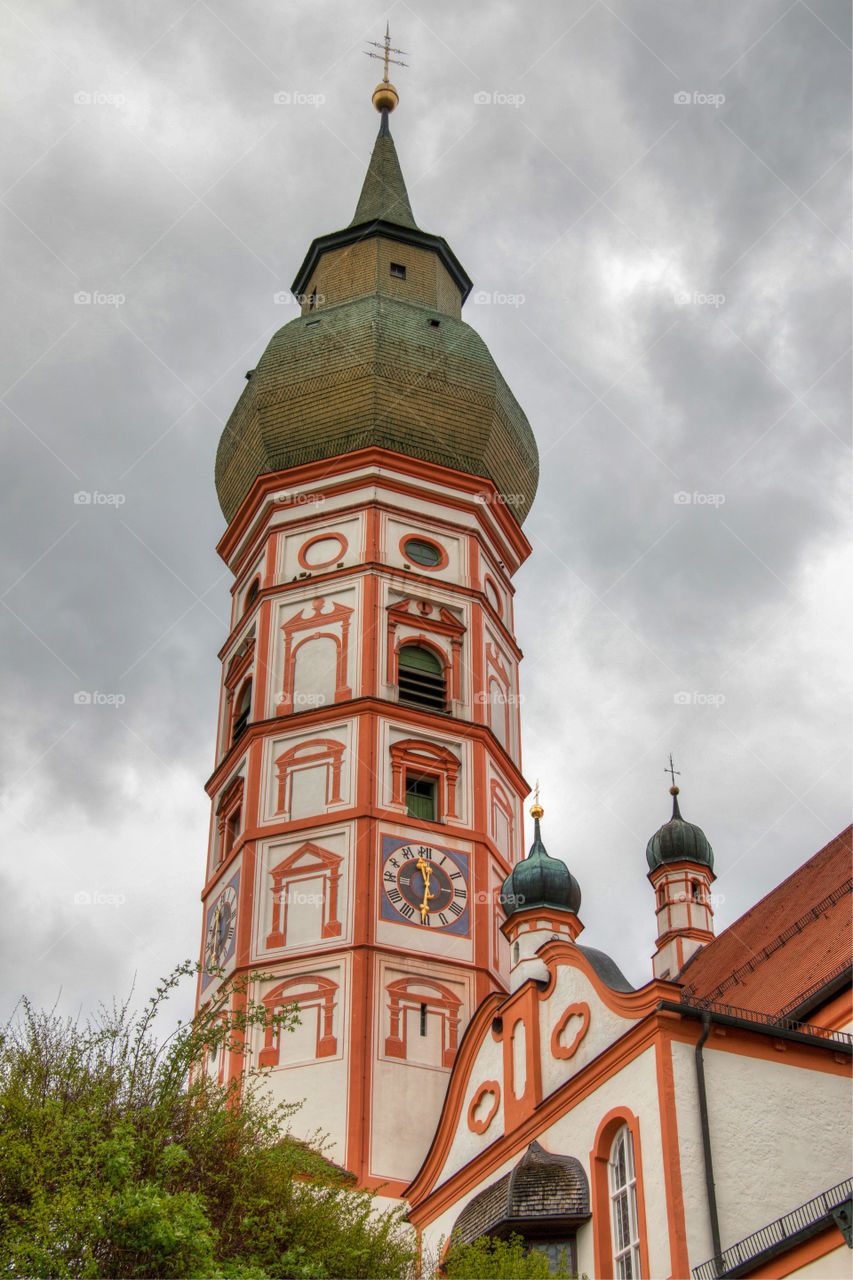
423	1019
421	797
398	271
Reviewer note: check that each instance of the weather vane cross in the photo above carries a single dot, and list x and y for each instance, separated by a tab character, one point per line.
386	52
671	770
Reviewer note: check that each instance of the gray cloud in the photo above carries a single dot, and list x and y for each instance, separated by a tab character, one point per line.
617	213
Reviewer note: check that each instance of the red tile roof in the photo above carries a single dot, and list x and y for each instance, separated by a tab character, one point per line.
796	938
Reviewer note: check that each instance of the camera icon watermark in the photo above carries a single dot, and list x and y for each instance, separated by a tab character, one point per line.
696	98
499	99
99	98
95	698
484	298
87	298
83	898
695	499
295	98
94	498
686	299
684	698
499	499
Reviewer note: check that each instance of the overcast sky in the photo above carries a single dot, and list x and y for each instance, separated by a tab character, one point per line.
668	298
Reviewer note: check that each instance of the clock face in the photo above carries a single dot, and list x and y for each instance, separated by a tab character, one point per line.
424	885
220	929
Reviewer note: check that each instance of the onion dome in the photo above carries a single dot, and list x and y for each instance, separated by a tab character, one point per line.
679	841
379	358
540	880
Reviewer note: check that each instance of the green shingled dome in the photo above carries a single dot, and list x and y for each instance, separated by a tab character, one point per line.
374	372
679	841
540	881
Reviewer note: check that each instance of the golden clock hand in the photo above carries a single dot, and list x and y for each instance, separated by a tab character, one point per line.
214	950
426	871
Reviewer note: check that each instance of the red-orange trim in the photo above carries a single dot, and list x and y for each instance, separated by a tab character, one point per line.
444	559
487	1087
301	555
581	1011
598	1159
679	1264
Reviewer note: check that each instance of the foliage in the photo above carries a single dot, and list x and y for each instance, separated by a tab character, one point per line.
121	1156
488	1258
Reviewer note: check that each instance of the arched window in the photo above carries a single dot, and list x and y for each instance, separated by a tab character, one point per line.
695	891
421	678
625	1234
252	594
242	710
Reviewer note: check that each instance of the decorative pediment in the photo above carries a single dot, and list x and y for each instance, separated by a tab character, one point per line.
429	617
307	858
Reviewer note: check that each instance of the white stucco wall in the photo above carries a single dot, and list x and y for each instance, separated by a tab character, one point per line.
780	1134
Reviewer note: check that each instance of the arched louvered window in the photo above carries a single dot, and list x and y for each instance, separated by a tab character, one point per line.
421	678
242	711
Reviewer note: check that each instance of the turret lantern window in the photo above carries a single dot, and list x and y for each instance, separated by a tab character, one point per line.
423	553
421	797
242	711
421	678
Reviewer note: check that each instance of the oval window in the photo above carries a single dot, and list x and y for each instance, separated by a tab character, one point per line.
425	553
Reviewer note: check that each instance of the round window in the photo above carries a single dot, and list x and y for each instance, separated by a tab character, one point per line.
426	553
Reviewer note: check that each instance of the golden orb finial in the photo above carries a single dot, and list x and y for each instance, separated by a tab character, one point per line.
536	810
385	96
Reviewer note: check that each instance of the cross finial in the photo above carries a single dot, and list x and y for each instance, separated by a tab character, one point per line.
536	810
671	770
386	51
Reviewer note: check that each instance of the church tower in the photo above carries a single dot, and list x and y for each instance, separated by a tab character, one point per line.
367	794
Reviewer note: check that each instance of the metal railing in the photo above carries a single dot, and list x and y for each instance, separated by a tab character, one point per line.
837	972
841	1038
783	1230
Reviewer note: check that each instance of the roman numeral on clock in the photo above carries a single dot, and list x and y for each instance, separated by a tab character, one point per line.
406	910
395	895
456	909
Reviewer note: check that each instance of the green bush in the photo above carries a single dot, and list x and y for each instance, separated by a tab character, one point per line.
119	1156
488	1258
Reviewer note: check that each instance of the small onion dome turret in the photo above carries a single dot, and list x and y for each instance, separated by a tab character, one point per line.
540	880
679	841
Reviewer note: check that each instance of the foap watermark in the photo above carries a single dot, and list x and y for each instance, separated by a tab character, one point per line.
284	298
708	899
500	499
686	299
85	898
695	98
684	698
302	499
296	98
695	499
485	299
504	699
95	698
94	498
99	98
97	298
497	98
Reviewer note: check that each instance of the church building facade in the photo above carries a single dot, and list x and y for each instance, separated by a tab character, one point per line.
458	1045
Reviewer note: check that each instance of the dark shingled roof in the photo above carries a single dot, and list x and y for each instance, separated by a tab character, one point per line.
384	197
608	970
541	1189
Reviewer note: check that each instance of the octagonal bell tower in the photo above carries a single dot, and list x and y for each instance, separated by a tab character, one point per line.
366	799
